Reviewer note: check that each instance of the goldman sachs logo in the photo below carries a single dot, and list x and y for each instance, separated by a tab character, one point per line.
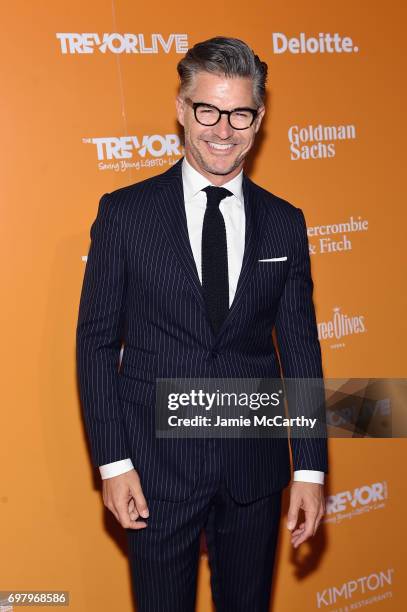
318	141
341	325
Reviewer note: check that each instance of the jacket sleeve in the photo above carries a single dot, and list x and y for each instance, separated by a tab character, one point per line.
99	335
300	354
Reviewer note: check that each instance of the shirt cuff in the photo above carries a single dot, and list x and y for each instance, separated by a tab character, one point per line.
309	476
115	468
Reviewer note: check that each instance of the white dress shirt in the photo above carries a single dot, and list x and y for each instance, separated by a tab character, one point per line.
232	209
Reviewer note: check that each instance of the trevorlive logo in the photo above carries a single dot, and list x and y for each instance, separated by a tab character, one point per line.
322	43
123	147
360	496
86	42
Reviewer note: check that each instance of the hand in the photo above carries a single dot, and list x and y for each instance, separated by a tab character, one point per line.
123	496
310	497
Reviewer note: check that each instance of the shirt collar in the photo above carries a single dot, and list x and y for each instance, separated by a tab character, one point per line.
194	182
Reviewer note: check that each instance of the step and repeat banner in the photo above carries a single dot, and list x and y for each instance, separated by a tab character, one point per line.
88	106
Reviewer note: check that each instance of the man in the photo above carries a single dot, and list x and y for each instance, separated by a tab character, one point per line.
191	270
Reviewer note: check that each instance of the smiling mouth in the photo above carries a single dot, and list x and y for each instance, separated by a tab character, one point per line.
216	146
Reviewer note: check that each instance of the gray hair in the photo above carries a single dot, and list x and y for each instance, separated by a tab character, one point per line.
226	56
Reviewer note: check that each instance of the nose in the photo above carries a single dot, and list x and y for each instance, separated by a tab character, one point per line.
222	129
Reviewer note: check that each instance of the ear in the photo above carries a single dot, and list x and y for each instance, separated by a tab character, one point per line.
180	107
259	118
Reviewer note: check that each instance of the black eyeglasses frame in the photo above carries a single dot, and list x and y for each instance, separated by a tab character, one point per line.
196	105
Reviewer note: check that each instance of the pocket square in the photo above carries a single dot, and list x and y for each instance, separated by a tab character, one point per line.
275	259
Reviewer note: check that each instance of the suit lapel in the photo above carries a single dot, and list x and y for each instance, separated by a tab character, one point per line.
170	206
255	214
169	202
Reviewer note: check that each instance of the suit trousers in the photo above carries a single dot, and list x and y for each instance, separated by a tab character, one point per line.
241	541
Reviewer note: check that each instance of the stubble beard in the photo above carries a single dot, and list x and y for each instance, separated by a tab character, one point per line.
197	155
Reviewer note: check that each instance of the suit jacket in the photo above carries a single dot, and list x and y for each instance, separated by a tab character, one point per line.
141	288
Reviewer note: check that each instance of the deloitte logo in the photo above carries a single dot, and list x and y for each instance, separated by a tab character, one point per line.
348	504
323	43
73	42
341	325
115	153
317	141
363	585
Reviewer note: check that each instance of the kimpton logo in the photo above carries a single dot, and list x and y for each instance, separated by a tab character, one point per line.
114	42
357	587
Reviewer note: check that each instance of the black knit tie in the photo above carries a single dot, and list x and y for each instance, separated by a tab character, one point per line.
215	280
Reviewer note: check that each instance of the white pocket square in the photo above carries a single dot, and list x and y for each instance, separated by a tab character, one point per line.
275	259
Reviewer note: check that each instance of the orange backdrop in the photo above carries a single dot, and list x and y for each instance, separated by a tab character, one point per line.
87	107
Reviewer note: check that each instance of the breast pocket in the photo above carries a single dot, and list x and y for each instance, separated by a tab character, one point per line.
271	274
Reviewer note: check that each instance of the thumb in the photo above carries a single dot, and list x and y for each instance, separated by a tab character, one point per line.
292	518
140	501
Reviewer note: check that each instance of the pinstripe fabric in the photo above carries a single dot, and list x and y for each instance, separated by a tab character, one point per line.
141	286
241	540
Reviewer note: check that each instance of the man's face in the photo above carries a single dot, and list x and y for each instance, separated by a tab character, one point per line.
218	151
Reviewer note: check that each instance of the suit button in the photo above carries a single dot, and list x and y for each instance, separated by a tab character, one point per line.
214	354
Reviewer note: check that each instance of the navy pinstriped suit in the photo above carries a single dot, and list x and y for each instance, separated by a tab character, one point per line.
141	287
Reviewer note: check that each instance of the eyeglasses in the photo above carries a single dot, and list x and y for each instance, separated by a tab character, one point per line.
208	114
